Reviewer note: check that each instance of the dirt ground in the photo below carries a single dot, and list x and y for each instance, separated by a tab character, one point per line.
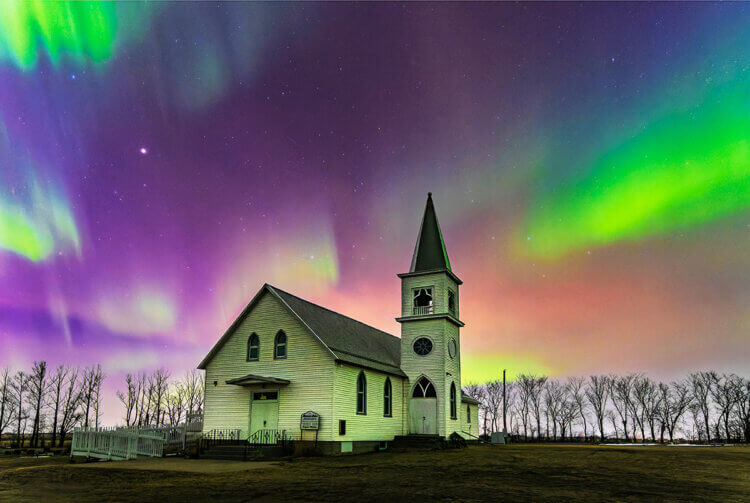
537	473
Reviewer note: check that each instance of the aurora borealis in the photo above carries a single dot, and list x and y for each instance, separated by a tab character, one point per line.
590	166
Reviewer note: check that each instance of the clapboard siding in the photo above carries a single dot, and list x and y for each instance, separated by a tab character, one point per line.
437	366
432	365
470	421
309	366
373	425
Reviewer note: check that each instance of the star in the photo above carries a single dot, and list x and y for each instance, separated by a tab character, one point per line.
143	151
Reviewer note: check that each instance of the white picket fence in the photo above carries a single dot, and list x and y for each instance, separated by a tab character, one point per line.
117	444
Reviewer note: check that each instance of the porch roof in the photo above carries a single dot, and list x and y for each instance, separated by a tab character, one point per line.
251	379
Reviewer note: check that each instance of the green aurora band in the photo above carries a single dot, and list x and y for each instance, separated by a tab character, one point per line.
78	29
689	168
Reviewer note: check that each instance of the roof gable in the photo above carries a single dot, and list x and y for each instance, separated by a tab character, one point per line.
344	338
351	340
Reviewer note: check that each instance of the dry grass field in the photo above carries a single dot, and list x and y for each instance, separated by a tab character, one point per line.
481	473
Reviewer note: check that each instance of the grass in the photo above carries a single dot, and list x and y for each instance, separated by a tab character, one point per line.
480	473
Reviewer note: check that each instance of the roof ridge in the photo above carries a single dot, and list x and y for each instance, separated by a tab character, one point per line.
330	310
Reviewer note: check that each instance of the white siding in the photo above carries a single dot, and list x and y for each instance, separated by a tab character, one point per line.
373	425
309	366
437	366
470	422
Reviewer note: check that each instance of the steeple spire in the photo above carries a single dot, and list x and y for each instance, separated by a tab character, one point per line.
430	253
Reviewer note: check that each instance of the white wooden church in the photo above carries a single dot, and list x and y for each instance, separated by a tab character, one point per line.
284	357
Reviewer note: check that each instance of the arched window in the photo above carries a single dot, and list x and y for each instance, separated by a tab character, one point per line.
424	389
453	401
361	394
279	345
387	398
253	347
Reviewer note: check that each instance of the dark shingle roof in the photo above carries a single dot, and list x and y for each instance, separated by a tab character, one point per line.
350	340
430	253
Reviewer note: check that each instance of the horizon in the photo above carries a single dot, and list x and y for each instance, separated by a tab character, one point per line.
593	188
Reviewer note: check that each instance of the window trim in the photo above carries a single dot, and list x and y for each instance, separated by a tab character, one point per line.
454	411
250	346
452	344
423	390
276	345
432	348
387	398
362	379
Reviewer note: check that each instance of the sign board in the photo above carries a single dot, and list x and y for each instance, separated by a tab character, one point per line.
310	421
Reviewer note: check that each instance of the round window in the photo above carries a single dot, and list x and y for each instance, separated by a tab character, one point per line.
452	348
422	346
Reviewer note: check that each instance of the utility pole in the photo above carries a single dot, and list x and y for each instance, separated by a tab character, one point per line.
505	427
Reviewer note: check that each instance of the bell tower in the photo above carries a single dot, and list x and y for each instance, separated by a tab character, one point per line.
430	338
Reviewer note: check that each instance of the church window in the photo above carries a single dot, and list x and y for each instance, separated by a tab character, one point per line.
424	389
468	413
387	398
422	346
279	347
422	301
253	347
453	401
342	426
451	302
452	349
361	394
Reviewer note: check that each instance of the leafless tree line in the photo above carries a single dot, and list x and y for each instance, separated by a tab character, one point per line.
154	400
52	401
705	406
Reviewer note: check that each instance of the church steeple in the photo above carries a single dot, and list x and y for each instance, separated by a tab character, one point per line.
430	253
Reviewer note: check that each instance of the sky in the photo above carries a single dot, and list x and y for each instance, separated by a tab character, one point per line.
589	163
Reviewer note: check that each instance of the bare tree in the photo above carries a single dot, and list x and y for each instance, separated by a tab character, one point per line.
6	404
194	392
597	393
142	402
568	411
743	406
700	384
37	389
723	393
158	383
578	395
92	381
530	389
524	386
675	400
175	403
553	402
128	398
620	390
494	391
70	404
18	387
644	394
57	386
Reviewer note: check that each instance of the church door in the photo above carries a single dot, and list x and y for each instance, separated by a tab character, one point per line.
264	415
423	409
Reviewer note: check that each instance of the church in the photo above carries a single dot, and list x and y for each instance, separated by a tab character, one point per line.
289	367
